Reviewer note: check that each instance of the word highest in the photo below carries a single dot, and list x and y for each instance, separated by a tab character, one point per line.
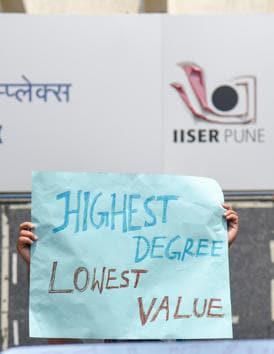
130	212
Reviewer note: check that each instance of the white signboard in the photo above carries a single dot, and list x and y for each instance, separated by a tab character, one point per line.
218	111
111	118
187	95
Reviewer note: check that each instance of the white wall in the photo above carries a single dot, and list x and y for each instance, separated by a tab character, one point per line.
219	6
84	6
136	6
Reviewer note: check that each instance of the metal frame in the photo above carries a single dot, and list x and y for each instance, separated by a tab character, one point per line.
25	197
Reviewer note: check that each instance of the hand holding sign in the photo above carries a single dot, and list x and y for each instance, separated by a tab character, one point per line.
25	239
146	252
232	222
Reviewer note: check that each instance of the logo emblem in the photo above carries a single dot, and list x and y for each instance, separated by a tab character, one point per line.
232	102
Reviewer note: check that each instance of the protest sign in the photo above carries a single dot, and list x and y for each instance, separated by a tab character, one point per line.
128	256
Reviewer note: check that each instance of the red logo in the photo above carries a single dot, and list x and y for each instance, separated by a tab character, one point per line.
229	103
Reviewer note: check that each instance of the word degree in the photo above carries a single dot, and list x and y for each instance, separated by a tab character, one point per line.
176	248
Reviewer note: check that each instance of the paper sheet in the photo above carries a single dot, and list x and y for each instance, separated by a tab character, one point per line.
128	256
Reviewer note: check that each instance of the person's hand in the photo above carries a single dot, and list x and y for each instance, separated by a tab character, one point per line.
25	240
232	223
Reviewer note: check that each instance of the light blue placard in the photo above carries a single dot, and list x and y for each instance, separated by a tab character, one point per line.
128	256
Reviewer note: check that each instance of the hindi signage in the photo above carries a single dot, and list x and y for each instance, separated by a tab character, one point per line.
128	256
28	91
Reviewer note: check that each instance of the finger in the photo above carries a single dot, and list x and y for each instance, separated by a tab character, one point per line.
229	212
232	217
23	241
27	225
227	206
29	234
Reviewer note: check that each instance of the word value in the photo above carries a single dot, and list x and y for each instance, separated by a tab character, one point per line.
200	308
88	212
